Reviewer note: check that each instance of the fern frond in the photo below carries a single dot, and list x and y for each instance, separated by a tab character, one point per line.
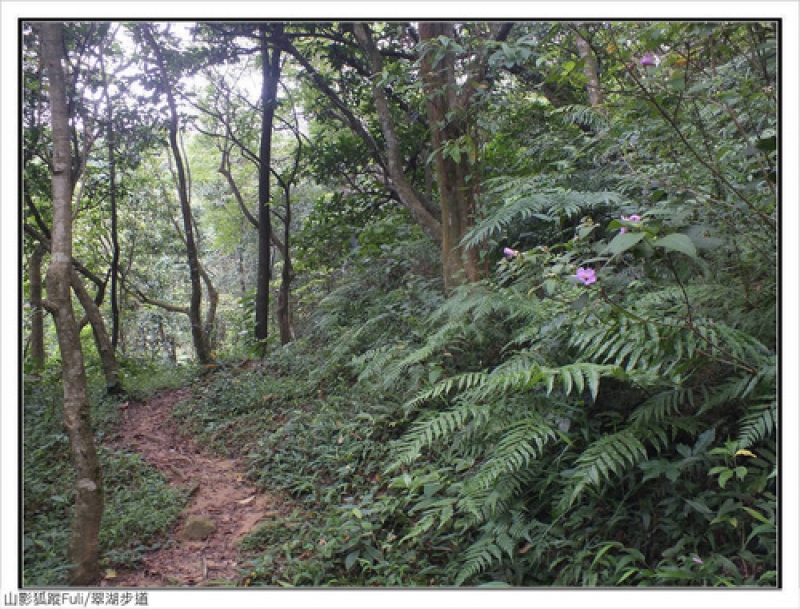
742	389
723	339
611	455
373	361
544	205
661	406
500	540
520	445
424	433
758	424
479	557
459	382
580	115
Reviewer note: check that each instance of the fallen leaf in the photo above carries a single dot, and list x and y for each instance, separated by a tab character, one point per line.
111	574
246	501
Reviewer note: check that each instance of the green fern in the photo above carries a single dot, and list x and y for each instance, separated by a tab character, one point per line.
586	116
759	424
505	471
662	406
611	455
438	427
543	205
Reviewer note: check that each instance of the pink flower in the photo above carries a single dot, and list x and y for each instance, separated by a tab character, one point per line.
587	276
633	218
648	59
697	560
507	251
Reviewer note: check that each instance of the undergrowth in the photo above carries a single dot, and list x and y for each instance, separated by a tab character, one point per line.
139	504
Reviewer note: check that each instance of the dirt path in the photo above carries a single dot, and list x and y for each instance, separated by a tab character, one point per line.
221	499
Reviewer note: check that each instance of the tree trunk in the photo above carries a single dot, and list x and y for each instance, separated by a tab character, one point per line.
409	197
242	273
589	70
211	313
455	178
112	197
284	310
84	547
91	308
37	314
270	75
105	348
196	300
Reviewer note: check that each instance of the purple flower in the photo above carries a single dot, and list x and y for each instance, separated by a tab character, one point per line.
697	560
587	276
507	251
633	218
648	59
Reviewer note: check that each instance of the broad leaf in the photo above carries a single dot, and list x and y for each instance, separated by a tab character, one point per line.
623	242
677	242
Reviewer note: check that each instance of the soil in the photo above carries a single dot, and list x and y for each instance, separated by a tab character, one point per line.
221	498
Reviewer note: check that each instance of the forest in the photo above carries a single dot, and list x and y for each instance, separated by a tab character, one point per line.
400	304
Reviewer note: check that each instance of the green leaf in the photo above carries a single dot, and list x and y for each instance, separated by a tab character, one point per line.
767	144
703	509
447	515
758	516
623	242
677	84
351	558
677	242
702	237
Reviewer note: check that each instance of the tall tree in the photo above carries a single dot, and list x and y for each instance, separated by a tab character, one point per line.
383	155
284	308
448	119
83	134
200	336
452	124
270	76
451	96
112	197
84	547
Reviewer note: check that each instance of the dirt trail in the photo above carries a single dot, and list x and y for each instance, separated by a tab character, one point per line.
219	493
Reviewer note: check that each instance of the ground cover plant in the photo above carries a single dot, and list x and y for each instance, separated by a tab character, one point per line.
469	304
